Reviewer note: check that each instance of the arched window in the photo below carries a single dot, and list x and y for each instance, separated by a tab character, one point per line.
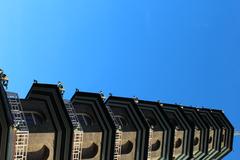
151	122
85	119
33	118
121	120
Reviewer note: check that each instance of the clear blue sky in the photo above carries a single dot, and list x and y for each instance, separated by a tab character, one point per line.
176	51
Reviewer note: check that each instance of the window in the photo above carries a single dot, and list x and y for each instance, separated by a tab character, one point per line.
33	118
85	119
151	122
121	120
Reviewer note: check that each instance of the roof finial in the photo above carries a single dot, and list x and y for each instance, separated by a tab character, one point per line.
77	90
61	88
102	95
135	98
4	79
35	81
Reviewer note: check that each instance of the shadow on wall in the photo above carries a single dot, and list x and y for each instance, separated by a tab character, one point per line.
127	147
41	154
90	152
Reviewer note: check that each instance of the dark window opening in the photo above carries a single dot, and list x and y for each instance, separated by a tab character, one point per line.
121	120
175	122
85	119
151	122
191	118
33	118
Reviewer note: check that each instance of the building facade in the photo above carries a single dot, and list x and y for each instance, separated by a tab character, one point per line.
44	126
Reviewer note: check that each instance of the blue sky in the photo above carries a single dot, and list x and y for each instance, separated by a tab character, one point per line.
184	52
